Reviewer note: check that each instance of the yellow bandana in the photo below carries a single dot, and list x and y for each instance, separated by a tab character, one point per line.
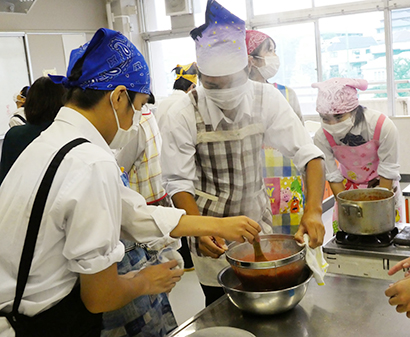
188	72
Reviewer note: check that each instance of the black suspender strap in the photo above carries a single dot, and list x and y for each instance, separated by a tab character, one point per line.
35	220
20	117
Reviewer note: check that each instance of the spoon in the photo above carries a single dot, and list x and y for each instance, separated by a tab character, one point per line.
259	256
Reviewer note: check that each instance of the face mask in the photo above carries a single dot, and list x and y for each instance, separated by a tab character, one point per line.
123	137
339	130
270	68
16	99
227	99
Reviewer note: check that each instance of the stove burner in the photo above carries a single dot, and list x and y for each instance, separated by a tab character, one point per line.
365	241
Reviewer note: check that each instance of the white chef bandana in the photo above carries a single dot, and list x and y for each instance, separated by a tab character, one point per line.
220	42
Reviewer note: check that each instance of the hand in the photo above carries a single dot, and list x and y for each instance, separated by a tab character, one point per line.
399	294
212	246
311	224
160	278
403	264
239	228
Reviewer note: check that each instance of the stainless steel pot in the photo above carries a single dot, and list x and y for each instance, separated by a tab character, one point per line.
366	211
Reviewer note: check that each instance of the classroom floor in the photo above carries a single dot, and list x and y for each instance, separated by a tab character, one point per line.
187	298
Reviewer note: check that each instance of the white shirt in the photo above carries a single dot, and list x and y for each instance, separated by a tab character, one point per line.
80	229
14	121
165	105
387	152
284	131
294	103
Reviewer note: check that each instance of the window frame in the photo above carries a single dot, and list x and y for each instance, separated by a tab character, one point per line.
302	16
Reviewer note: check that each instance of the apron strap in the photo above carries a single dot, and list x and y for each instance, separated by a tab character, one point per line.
35	220
330	138
20	117
379	125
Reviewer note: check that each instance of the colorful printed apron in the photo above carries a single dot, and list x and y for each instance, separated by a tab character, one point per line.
358	164
229	177
284	90
145	175
284	186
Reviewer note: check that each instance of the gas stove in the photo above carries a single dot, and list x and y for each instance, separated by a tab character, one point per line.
366	241
367	256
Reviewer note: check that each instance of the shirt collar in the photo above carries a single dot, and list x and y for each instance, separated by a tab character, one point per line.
213	115
178	92
83	125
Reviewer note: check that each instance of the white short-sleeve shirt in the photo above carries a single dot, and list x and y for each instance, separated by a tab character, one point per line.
80	228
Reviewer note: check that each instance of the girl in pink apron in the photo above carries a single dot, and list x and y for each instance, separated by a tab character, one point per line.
364	142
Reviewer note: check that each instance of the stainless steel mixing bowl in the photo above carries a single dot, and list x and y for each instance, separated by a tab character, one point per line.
266	302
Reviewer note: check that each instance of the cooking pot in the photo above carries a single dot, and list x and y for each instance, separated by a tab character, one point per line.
283	270
366	211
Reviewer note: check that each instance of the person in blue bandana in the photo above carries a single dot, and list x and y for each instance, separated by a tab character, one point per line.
77	268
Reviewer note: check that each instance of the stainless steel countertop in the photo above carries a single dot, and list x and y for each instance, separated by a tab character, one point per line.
345	306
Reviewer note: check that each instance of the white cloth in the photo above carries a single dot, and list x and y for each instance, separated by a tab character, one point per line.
387	152
80	229
14	121
315	261
284	131
166	104
294	103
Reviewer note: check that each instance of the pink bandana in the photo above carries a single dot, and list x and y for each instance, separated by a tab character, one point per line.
254	39
338	95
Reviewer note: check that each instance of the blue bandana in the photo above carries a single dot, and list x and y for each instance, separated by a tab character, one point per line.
110	59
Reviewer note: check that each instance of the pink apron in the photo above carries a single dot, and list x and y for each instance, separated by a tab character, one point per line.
358	164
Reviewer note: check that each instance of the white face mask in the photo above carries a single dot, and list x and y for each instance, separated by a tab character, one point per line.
16	97
339	130
270	68
227	99
123	137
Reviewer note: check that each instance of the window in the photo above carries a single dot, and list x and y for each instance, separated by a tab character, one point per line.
165	55
401	51
236	7
295	46
352	36
261	7
155	15
333	2
352	45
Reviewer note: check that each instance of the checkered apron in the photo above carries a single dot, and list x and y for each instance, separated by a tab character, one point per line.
145	175
229	175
